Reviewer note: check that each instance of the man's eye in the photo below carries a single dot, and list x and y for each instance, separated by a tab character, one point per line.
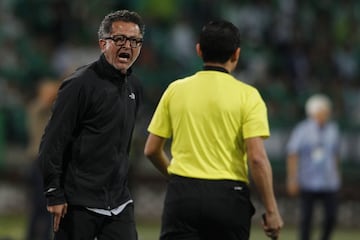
119	39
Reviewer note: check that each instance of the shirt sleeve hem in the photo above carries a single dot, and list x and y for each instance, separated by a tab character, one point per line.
159	133
262	135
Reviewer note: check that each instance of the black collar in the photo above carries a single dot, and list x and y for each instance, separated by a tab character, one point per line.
110	72
215	68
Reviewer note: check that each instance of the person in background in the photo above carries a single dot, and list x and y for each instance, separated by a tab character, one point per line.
84	152
217	125
313	165
38	112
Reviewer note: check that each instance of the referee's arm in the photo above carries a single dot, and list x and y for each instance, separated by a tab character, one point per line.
261	173
154	150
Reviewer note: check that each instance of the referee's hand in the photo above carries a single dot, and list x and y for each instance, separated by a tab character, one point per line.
58	212
272	223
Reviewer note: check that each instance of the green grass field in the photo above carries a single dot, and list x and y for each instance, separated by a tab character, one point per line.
13	228
151	232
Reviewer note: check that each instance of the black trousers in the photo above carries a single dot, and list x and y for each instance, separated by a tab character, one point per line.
198	209
328	199
82	224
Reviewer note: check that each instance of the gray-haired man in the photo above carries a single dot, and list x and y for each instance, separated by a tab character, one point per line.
313	159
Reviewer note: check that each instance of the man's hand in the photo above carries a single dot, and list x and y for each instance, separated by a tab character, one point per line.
272	223
59	212
292	188
292	184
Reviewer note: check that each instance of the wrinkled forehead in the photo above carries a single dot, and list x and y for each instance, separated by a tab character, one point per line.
129	29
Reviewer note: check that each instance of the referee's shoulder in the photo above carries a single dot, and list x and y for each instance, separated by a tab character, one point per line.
248	89
179	82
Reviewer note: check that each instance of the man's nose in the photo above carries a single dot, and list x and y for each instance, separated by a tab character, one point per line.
127	44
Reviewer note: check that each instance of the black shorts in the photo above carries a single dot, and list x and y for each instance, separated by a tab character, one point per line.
197	209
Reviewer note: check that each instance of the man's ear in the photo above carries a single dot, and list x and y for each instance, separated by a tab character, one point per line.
102	45
235	56
198	50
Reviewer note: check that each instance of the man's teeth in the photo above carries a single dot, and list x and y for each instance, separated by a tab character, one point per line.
124	55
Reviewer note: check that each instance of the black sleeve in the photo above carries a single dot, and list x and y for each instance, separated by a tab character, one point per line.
139	93
67	109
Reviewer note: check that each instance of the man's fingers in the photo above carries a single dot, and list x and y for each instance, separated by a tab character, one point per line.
56	222
64	210
50	209
273	234
58	211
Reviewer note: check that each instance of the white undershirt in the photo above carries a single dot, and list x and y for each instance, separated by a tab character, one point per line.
114	211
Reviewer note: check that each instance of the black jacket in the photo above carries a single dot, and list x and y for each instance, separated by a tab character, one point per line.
84	152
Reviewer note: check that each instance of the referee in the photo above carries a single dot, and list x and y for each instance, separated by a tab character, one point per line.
217	125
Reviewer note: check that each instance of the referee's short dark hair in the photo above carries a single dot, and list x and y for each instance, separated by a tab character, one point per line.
120	15
218	41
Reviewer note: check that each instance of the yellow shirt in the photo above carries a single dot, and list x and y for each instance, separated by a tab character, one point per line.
208	115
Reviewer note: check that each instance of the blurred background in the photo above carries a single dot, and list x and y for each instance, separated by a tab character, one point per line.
291	49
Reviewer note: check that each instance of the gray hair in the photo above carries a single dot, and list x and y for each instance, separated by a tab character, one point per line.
316	103
120	15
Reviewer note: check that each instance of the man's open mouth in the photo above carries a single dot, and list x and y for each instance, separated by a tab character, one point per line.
124	56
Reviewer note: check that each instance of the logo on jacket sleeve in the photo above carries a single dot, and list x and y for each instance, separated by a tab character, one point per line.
132	96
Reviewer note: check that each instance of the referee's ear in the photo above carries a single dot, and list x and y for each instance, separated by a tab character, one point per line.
235	56
198	50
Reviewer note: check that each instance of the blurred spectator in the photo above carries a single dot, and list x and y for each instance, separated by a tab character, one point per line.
39	226
253	18
182	41
14	113
313	165
346	62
